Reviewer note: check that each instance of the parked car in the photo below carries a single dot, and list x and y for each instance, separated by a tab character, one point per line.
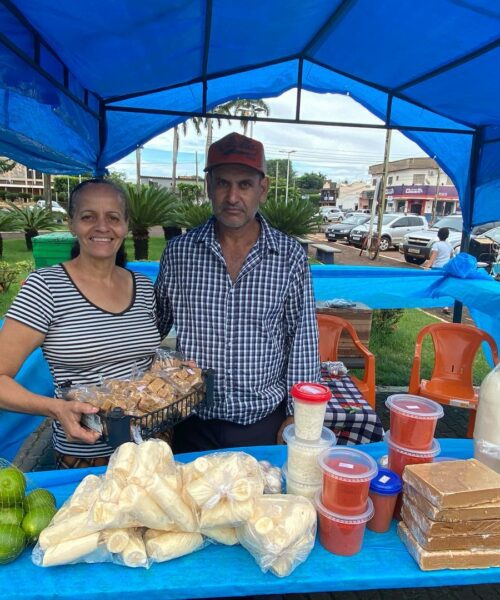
417	245
394	227
331	214
56	207
341	231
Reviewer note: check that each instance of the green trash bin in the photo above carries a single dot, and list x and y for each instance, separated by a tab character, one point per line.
52	248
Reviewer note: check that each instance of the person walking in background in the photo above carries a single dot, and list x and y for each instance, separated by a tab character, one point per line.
441	253
240	296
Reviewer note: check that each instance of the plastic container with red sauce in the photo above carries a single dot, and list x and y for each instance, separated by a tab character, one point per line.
309	402
413	420
346	479
384	491
342	534
400	457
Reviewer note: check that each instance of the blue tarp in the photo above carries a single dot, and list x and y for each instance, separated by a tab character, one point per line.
84	82
385	561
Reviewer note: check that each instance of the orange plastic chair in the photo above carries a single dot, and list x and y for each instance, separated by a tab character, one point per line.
330	330
455	347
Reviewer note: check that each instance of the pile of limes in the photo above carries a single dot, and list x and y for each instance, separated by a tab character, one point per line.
22	516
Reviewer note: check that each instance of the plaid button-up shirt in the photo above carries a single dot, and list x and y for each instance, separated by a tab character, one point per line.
259	333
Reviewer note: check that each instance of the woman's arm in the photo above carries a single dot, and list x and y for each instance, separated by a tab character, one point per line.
432	258
17	342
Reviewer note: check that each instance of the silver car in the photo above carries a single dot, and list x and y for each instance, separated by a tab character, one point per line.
394	227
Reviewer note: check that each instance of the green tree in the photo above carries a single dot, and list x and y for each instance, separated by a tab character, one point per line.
148	206
282	169
311	181
297	217
7	223
63	182
6	165
31	219
245	107
192	214
189	192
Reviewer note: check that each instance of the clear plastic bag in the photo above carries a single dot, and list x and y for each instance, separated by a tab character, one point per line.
272	477
281	532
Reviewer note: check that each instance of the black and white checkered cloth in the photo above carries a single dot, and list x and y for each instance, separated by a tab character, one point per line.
348	414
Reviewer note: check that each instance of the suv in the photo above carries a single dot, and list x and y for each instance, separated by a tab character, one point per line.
417	245
394	227
331	214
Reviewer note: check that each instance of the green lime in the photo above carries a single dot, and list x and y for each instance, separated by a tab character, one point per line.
12	543
39	498
12	515
12	486
36	520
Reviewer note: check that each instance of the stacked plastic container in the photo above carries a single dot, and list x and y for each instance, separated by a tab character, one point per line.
343	504
411	439
307	439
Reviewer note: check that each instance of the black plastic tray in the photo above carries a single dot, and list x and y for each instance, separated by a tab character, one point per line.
118	427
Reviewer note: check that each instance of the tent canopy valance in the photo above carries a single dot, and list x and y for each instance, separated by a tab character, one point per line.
84	82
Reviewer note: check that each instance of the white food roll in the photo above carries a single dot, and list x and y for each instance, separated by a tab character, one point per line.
172	545
70	550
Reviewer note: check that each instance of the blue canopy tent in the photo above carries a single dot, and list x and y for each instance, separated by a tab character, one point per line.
84	82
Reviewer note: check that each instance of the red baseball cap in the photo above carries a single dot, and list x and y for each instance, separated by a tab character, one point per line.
237	149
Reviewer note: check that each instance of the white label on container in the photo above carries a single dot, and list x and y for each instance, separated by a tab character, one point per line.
413	407
346	465
310	389
384	479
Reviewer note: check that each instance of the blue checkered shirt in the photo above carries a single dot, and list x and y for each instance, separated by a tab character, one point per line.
259	333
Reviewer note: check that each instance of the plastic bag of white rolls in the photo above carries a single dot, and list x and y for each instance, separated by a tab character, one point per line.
281	532
222	487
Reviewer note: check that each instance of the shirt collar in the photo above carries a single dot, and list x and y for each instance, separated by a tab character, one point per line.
268	236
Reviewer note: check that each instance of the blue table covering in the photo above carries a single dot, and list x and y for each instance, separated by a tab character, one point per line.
221	571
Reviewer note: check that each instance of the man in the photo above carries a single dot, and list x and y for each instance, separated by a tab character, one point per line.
240	295
441	253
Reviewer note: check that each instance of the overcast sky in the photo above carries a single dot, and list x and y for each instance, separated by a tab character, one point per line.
340	153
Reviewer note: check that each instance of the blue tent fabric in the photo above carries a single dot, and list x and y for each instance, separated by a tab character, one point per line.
80	80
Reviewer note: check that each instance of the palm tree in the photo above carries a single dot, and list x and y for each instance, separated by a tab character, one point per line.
190	214
175	149
247	108
7	223
298	217
148	206
31	219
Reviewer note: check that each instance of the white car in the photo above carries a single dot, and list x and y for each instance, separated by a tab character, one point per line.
331	214
56	207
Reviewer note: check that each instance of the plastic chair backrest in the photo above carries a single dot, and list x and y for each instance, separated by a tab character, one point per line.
330	329
455	347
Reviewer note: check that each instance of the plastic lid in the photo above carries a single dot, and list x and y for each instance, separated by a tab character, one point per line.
433	451
346	519
386	483
326	439
416	407
311	392
347	464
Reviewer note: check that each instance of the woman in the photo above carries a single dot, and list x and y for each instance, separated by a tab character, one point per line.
93	319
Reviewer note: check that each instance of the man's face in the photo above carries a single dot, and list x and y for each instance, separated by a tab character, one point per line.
236	193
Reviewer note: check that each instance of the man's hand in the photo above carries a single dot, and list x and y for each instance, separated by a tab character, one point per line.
69	414
279	437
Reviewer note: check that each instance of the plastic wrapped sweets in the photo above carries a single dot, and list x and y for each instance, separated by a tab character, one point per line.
281	532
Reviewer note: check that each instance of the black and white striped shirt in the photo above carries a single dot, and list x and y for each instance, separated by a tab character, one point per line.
259	333
84	343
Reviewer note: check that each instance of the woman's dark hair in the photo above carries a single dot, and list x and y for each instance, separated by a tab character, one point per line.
121	255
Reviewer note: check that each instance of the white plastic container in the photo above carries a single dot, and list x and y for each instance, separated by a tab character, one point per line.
299	488
487	427
302	461
309	401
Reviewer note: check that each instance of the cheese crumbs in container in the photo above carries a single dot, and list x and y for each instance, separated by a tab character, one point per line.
384	491
342	534
309	401
413	420
346	479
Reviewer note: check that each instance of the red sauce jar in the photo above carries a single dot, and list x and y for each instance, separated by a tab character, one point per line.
385	489
400	457
413	420
342	534
346	479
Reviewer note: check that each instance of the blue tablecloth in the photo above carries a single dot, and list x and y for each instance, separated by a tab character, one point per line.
383	562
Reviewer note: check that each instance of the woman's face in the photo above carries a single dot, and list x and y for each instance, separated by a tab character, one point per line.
99	221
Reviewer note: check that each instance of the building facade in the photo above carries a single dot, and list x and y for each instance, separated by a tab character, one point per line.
417	186
21	180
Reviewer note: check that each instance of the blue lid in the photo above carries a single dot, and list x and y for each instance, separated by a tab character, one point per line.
386	482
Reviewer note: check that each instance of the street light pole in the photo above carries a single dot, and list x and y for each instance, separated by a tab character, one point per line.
288	172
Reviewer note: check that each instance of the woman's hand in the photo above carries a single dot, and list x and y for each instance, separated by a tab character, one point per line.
69	414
